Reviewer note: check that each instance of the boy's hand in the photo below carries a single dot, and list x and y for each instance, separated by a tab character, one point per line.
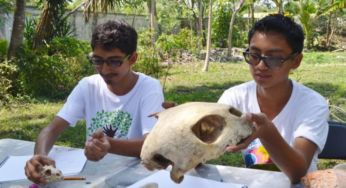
168	104
34	166
97	146
261	123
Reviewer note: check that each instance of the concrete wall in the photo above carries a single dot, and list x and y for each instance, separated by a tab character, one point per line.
82	30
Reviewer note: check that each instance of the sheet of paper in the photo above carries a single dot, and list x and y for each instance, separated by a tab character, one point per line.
162	179
13	168
69	161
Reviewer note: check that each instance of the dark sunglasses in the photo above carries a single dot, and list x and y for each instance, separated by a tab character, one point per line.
271	62
112	62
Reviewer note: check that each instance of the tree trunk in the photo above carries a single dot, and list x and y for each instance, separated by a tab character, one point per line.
153	24
44	28
279	4
230	31
252	7
329	28
17	29
200	23
206	62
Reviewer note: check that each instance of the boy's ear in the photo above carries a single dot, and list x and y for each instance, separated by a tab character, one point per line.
297	60
133	58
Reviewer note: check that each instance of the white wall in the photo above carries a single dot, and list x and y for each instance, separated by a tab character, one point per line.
82	29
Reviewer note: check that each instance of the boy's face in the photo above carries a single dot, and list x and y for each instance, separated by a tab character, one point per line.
113	65
274	46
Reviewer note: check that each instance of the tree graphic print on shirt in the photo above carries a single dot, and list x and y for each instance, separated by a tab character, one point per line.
114	124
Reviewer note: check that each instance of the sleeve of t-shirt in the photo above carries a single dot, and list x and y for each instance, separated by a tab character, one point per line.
314	125
229	97
151	103
74	107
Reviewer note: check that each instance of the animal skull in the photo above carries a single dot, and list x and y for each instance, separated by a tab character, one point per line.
51	174
192	133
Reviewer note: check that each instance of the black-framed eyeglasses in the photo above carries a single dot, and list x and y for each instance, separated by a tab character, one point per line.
112	61
271	62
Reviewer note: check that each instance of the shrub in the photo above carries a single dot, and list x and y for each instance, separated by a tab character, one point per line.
7	72
29	30
220	27
148	58
68	46
148	62
3	50
173	45
53	70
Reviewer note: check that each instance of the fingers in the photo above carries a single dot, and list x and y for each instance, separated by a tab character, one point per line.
34	166
96	148
241	145
168	104
98	134
259	118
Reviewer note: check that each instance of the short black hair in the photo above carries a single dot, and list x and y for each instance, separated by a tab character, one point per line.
115	34
283	25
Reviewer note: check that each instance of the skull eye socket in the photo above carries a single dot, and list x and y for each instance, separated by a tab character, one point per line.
235	112
209	128
48	172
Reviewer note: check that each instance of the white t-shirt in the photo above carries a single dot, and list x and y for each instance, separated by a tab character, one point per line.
305	115
123	116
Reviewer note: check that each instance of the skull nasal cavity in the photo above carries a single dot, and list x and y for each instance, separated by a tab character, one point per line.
162	161
209	128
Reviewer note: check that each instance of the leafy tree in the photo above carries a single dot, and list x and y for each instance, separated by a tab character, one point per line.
51	23
309	11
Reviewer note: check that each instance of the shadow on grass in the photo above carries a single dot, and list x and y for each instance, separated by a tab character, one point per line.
72	137
206	93
212	92
331	91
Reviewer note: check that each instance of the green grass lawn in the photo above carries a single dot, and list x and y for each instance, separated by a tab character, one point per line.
324	72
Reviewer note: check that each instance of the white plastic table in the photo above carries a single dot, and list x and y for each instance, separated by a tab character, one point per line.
119	171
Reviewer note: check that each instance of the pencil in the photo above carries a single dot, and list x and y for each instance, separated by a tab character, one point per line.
74	178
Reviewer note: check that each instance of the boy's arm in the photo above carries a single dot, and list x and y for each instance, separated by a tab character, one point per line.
44	144
131	147
293	161
49	135
100	144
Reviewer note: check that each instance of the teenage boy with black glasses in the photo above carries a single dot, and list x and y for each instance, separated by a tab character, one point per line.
117	100
290	120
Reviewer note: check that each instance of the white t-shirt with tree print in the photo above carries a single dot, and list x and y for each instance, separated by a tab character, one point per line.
305	115
123	116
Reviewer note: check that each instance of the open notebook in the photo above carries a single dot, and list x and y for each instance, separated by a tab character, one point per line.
163	180
69	160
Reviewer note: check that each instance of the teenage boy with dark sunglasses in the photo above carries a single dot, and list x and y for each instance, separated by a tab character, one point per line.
117	101
290	120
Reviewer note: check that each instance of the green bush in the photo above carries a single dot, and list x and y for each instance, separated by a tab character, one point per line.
53	71
172	44
68	46
148	58
220	27
3	50
29	30
148	62
7	72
